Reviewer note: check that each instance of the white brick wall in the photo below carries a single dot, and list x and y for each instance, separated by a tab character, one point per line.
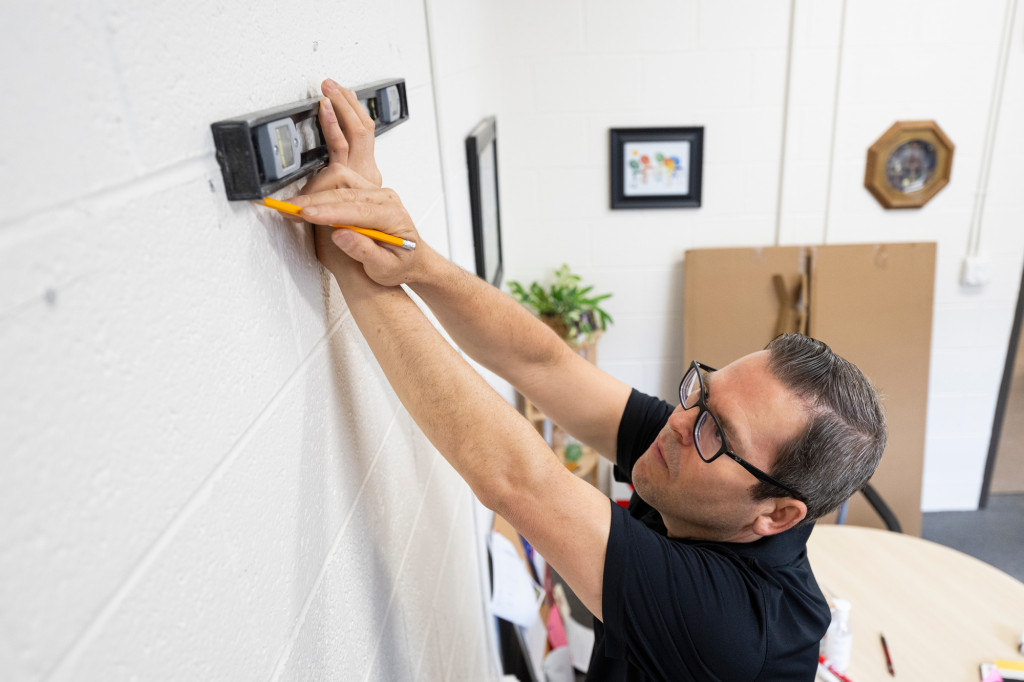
203	473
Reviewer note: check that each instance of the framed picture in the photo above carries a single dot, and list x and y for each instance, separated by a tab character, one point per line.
908	164
656	167
482	160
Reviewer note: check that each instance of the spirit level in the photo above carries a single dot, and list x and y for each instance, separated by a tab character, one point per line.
260	153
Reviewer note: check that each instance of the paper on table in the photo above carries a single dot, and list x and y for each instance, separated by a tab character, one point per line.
536	638
581	644
1003	670
557	667
990	673
581	638
515	597
539	564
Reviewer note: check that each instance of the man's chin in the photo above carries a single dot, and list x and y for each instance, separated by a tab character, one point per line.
643	488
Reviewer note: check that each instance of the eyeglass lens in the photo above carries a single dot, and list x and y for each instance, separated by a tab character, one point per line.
708	437
689	392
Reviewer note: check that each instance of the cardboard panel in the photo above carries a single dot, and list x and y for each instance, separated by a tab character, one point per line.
873	305
731	305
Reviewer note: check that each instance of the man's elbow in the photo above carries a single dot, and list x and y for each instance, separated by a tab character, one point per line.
515	494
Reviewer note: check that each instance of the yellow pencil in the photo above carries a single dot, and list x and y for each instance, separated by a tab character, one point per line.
285	207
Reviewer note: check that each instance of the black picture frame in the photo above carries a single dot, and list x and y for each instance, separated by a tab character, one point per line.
640	181
485	207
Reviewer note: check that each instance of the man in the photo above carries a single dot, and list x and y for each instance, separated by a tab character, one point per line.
705	577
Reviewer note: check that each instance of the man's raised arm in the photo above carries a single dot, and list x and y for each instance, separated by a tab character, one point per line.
487	324
503	336
503	459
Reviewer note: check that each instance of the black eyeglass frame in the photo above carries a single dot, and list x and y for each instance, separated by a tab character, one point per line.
724	449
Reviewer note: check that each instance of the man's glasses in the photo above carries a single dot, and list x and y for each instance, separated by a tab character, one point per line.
707	432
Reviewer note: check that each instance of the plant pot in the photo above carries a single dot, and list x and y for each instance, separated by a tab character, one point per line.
556	323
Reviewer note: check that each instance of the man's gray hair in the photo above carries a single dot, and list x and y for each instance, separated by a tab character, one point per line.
843	443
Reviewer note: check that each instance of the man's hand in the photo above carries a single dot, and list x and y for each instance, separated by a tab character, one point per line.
353	152
347	192
349	144
362	205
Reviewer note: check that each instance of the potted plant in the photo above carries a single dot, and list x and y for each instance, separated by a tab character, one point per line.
566	306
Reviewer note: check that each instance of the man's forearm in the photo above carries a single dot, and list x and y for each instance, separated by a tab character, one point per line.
485	440
487	324
507	339
495	450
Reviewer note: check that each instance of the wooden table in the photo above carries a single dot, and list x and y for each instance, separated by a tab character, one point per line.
943	613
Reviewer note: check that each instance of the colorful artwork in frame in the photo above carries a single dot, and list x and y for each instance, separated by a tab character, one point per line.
656	167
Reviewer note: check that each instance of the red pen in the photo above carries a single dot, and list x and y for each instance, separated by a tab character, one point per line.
824	662
888	660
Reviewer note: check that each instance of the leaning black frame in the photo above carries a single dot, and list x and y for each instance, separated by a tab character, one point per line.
484	134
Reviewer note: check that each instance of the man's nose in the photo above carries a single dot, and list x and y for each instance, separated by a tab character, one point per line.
681	422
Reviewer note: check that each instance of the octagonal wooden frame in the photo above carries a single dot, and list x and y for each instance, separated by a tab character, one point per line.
899	133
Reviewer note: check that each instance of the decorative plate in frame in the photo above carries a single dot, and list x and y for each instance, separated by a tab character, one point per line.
909	164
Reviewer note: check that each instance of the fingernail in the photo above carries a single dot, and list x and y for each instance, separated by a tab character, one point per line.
328	109
312	211
331	85
343	239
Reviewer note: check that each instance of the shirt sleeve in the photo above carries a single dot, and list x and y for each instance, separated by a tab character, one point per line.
670	607
642	420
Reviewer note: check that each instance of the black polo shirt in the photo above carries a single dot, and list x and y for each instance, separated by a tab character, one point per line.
697	610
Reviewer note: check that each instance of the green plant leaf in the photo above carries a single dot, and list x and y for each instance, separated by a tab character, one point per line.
566	299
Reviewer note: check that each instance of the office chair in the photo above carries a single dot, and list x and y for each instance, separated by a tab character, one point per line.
880	507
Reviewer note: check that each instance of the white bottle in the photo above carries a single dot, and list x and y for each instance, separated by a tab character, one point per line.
840	638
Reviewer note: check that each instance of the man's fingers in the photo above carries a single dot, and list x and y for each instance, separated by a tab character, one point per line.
358	131
337	145
345	196
361	112
356	125
356	128
384	217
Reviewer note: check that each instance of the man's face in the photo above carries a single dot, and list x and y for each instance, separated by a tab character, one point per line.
697	499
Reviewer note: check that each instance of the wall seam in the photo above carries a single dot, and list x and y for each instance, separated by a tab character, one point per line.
315	588
401	567
437	124
113	196
122	93
835	124
785	121
63	669
441	573
460	613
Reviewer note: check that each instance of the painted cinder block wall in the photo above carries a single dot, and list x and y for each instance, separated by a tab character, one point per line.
783	164
203	474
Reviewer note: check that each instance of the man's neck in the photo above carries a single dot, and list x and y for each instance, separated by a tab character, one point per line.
684	530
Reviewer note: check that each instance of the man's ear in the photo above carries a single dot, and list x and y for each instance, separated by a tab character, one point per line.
782	514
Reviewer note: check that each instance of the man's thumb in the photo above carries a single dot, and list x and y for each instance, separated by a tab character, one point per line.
352	243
